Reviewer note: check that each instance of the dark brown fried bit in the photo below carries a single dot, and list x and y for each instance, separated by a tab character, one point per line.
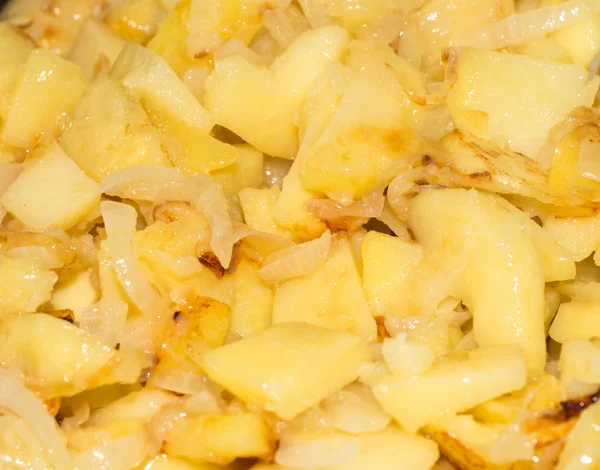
211	261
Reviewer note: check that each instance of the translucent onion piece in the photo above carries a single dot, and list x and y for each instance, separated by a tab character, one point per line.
105	320
18	399
202	27
588	164
263	242
159	184
296	260
522	26
370	205
394	223
235	47
120	222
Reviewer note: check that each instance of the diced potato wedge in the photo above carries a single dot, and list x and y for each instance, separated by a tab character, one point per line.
24	285
246	173
110	131
148	75
294	366
251	311
502	282
48	87
260	104
581	448
580	236
495	92
135	20
388	264
77	293
192	150
467	379
54	355
576	320
259	209
580	360
141	405
17	47
407	358
219	438
51	190
581	40
95	48
331	296
165	462
391	449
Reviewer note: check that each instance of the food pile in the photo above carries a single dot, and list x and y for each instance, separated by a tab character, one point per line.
299	235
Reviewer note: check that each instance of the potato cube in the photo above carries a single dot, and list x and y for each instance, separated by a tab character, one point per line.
51	190
24	285
582	40
260	104
580	360
219	438
392	449
580	236
581	448
54	355
495	92
467	379
331	296
252	307
162	92
76	294
259	209
293	366
48	87
16	47
111	131
389	264
576	320
246	172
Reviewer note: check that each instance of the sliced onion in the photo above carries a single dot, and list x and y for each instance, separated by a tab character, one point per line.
8	173
370	205
235	47
522	26
263	242
159	184
105	320
296	260
184	267
202	27
588	164
18	399
120	222
285	25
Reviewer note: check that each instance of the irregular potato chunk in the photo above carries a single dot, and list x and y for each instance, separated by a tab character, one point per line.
110	131
576	320
580	360
148	75
270	98
498	269
48	88
331	296
219	438
51	190
467	379
54	355
388	264
246	173
581	40
17	47
581	448
495	92
76	294
580	236
294	366
251	311
259	209
24	285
